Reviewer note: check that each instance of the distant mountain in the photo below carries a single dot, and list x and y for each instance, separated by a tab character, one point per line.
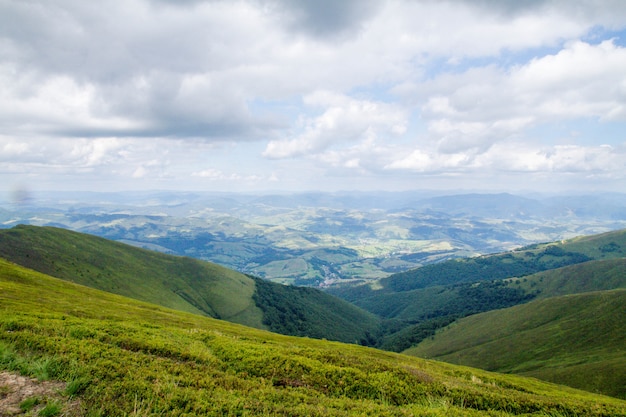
184	284
502	206
577	340
323	239
109	355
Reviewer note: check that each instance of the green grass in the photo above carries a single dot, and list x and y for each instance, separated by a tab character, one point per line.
138	359
419	298
606	274
576	340
518	263
176	282
183	283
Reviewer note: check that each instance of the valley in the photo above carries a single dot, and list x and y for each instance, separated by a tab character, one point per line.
323	240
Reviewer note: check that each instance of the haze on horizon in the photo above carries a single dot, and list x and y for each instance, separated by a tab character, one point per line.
313	95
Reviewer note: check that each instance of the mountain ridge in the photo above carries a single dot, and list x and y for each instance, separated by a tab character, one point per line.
181	283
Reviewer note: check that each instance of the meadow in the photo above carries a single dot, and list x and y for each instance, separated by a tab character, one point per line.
122	357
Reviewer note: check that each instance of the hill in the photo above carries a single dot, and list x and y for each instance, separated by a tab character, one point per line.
119	356
419	301
425	310
322	239
576	340
521	262
589	276
525	261
184	284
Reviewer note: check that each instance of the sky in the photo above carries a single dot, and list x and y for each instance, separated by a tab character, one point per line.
288	95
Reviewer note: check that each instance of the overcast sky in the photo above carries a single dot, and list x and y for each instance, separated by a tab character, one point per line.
313	95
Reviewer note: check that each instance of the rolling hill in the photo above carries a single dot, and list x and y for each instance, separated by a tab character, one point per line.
607	274
521	262
415	303
517	263
118	356
576	340
184	284
322	239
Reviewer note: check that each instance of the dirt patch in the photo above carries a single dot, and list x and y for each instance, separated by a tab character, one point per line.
15	389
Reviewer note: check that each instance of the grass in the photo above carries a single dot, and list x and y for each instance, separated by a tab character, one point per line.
176	282
576	340
589	276
181	283
123	357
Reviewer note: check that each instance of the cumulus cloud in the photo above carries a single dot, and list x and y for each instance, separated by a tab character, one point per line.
516	157
473	110
344	120
142	88
327	18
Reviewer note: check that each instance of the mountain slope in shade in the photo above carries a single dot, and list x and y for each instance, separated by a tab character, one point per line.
577	340
120	356
182	283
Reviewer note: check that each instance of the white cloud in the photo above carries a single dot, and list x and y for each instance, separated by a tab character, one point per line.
143	88
472	111
217	175
344	120
522	158
559	158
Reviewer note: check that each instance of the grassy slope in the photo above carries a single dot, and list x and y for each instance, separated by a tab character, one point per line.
181	283
589	276
184	284
576	340
469	298
126	357
301	311
526	261
429	296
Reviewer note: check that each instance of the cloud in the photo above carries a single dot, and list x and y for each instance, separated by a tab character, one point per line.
580	80
217	175
144	89
472	110
344	119
327	18
521	158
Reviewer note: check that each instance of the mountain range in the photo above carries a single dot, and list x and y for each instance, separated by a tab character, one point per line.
323	239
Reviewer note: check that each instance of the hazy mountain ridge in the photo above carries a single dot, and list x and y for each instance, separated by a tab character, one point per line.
295	238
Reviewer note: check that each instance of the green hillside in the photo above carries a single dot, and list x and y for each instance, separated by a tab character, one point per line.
184	284
589	276
518	263
122	357
435	307
419	301
577	340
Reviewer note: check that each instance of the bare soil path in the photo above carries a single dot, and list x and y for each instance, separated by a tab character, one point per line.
15	389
